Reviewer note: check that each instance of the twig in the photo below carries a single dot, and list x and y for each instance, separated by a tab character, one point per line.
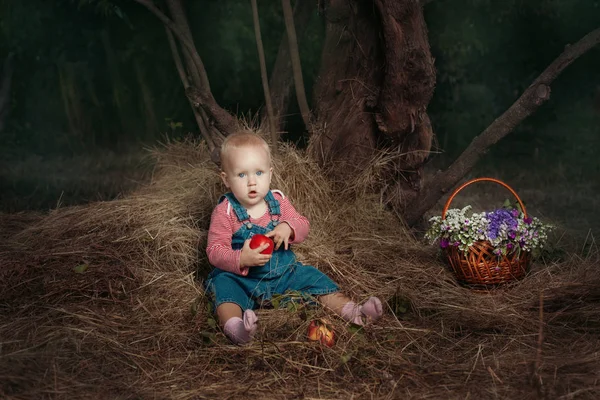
536	379
538	358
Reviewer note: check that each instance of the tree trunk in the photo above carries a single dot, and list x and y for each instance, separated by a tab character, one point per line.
282	78
375	82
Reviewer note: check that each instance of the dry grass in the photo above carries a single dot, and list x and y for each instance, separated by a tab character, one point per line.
105	301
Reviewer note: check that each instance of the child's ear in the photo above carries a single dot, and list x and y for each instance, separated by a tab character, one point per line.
224	179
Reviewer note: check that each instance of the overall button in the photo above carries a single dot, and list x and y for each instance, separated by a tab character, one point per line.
249	225
275	223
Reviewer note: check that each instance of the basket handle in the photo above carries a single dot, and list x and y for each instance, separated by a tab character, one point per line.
464	185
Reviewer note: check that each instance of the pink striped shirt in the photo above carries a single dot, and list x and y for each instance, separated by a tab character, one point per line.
224	223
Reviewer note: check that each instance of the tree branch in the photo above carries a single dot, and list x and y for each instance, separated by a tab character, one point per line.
199	96
181	37
181	71
288	15
224	121
263	76
199	78
282	77
534	96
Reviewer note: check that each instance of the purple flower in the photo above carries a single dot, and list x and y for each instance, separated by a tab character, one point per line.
509	246
444	243
512	234
515	212
528	220
499	218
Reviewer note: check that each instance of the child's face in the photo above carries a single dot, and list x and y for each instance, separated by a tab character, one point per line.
247	173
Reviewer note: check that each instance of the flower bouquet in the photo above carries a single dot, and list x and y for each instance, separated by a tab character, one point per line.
488	248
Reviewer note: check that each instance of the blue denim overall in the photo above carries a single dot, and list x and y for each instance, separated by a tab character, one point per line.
280	274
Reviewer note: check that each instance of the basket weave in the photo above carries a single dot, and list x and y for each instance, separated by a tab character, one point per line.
480	266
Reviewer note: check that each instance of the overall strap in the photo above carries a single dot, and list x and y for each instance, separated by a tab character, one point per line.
273	204
240	212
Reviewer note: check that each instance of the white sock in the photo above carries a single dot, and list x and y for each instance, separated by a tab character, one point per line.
370	311
240	331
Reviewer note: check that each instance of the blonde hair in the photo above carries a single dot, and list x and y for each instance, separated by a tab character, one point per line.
242	139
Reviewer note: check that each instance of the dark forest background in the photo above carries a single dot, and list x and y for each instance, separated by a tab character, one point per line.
94	84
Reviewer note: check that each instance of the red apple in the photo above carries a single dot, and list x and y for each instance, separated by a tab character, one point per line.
320	331
258	240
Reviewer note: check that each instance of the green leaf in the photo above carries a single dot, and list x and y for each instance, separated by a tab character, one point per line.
353	328
344	358
275	302
81	268
211	322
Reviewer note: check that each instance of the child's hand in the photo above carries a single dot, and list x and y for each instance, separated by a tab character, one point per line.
281	234
252	257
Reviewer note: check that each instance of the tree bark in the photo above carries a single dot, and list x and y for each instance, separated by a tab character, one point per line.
376	79
282	78
533	97
264	78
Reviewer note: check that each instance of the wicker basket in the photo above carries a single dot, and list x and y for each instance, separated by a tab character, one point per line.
480	266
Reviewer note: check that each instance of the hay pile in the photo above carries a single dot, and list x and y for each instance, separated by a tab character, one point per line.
104	301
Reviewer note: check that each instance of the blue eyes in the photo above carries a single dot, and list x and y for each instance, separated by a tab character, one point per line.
243	175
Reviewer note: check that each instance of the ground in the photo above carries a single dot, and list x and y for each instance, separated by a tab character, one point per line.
105	300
